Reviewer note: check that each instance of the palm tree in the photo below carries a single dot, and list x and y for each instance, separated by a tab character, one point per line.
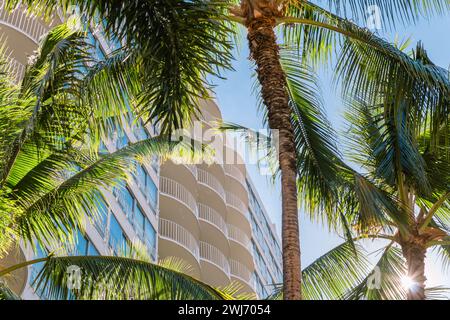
52	172
404	145
177	44
399	138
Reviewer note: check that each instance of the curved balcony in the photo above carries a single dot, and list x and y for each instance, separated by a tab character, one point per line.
237	204
240	246
207	179
17	279
210	108
211	216
186	174
26	25
242	273
212	260
175	190
235	180
172	231
239	236
233	172
213	227
176	241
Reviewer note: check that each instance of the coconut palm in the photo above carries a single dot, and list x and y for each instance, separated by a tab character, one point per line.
178	44
399	141
52	172
403	144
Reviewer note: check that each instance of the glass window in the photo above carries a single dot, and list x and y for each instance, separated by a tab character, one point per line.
36	269
155	163
141	175
152	193
101	216
116	236
150	238
139	220
126	201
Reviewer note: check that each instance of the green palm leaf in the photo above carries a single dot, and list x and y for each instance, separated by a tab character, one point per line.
180	44
120	278
391	268
391	12
58	200
330	276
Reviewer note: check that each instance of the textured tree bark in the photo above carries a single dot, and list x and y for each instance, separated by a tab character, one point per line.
415	257
265	52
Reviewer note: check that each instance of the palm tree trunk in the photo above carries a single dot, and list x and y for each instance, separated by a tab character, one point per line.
265	52
415	257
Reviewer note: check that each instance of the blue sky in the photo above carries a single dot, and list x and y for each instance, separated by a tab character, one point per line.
238	104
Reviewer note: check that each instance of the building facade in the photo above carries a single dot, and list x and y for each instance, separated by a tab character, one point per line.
209	215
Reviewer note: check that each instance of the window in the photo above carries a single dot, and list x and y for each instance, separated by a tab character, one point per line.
126	201
155	163
92	250
117	239
101	216
139	222
152	193
145	231
150	238
147	186
83	247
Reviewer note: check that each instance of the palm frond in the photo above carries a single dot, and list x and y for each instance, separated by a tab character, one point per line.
180	44
390	13
50	214
384	282
318	159
367	66
330	276
49	88
119	278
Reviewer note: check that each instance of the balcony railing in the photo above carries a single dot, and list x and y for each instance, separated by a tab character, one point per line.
177	191
212	216
236	234
240	271
209	180
214	256
19	21
172	231
236	203
234	172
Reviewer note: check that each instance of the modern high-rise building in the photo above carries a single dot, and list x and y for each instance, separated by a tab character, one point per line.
209	215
